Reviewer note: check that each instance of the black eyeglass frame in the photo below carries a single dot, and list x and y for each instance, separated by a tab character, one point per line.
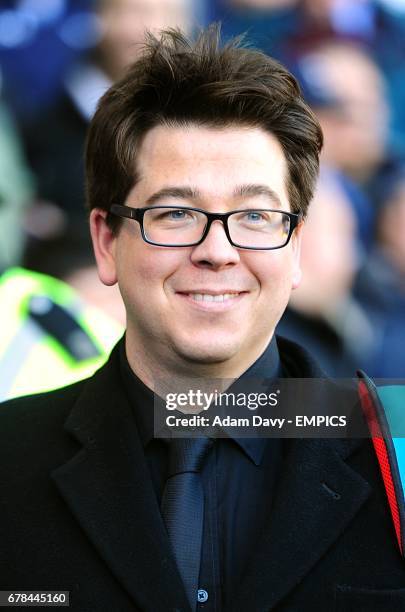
137	214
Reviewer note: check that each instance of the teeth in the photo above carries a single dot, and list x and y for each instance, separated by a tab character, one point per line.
207	297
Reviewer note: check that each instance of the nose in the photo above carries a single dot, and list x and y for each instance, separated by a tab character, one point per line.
215	251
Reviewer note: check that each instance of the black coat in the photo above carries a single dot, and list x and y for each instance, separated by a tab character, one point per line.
78	513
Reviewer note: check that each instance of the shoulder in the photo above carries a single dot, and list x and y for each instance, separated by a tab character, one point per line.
33	441
297	362
30	408
38	432
29	423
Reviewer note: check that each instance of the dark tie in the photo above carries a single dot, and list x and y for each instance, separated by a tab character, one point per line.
183	508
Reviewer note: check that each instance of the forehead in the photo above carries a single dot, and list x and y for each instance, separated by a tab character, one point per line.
212	161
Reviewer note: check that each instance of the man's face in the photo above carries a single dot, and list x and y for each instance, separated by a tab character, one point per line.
159	284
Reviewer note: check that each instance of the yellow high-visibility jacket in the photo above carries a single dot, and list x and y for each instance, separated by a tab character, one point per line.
48	337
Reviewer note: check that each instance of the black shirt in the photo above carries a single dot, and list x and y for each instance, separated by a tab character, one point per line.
239	480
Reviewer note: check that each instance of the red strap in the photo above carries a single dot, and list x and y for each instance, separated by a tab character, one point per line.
380	448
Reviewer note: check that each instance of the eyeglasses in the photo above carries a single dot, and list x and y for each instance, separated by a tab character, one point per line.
180	226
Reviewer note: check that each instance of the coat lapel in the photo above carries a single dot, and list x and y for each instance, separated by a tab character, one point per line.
318	496
108	488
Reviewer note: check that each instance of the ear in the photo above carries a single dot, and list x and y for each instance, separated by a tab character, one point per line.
296	240
104	244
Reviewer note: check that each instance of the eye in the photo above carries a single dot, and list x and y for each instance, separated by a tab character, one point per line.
255	216
172	214
177	214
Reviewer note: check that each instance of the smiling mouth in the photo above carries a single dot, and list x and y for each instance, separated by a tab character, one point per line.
213	297
207	297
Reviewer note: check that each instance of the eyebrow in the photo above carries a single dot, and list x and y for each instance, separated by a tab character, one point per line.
183	193
187	193
252	189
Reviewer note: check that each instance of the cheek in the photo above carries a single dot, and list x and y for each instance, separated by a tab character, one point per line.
273	270
274	274
147	269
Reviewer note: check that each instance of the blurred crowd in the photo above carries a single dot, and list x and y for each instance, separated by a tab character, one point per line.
349	57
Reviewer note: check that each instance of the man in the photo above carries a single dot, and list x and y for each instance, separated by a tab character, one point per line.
201	163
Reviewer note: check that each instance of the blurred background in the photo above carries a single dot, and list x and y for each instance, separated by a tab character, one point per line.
57	57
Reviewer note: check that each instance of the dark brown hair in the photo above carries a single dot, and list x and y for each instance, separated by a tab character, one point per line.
180	81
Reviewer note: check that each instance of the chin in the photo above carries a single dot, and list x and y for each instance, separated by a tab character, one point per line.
208	353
